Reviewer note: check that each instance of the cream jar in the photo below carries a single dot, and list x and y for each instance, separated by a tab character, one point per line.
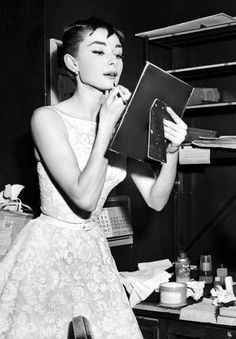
173	294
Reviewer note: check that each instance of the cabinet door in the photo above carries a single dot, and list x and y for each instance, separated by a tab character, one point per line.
219	333
176	329
149	327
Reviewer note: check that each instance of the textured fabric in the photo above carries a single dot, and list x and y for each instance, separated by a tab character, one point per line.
60	266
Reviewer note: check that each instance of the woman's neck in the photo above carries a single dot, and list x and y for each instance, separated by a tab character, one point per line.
85	104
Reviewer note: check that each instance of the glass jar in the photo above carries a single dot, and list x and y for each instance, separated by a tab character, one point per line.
205	269
182	268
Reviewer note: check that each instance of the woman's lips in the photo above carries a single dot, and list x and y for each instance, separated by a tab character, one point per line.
110	75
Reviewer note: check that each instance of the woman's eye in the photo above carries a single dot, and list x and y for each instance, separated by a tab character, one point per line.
119	56
98	52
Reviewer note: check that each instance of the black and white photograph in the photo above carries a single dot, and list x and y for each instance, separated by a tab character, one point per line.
118	169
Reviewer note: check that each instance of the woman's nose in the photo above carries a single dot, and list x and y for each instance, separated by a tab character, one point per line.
112	60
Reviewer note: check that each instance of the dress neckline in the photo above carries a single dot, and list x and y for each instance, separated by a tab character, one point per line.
72	116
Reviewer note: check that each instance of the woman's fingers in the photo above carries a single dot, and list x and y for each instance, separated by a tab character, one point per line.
176	131
175	116
112	94
117	93
175	126
124	93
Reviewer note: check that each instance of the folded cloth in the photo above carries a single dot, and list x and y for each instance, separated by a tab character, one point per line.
141	283
203	311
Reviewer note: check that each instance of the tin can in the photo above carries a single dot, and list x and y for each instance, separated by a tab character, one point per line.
173	294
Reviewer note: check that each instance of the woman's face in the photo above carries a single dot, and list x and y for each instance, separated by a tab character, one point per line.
99	59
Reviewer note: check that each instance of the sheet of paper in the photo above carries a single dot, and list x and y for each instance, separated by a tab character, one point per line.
162	265
190	155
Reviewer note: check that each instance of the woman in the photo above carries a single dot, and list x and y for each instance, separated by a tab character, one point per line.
61	266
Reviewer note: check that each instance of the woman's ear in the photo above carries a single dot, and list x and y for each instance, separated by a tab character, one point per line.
71	63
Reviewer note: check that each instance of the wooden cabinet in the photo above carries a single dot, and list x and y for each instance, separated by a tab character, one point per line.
157	324
204	195
174	329
149	327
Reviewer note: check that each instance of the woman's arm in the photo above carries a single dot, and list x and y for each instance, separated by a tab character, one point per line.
156	187
54	150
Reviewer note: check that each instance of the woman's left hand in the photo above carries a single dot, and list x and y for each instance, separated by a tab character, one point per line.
175	131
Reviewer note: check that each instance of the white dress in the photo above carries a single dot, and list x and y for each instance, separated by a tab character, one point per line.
60	265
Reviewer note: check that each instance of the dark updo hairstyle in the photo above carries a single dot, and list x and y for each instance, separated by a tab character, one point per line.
74	34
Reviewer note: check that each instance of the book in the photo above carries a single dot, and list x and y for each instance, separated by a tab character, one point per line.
140	132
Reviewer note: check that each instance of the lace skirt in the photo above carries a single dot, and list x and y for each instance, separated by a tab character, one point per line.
55	271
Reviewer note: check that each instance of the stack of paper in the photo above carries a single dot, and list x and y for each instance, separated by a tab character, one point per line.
227	316
224	141
228	311
203	311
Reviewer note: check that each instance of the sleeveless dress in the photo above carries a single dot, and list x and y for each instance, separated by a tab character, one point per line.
60	265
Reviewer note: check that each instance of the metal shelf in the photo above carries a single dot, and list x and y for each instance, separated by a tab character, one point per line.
203	70
191	36
212	105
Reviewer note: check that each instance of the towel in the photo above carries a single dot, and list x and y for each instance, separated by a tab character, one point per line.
141	283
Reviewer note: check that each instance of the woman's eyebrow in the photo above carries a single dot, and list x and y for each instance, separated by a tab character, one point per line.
104	44
98	43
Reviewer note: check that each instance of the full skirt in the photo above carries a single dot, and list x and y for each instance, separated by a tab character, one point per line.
52	274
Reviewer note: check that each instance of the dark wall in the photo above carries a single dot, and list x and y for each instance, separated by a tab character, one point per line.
22	90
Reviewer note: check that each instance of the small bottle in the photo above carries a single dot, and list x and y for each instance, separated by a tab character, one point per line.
217	282
205	272
182	268
222	272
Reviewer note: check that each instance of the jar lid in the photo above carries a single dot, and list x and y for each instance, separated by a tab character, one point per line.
182	255
173	286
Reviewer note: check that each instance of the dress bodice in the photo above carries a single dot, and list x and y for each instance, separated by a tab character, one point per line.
81	135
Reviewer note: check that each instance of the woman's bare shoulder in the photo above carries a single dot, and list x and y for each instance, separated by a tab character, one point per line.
46	115
45	112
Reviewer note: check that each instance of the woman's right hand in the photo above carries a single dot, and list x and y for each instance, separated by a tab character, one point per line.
112	107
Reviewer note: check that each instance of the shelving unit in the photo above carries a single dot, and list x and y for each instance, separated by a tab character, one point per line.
212	75
204	196
204	57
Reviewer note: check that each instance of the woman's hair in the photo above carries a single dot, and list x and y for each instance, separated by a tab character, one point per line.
74	34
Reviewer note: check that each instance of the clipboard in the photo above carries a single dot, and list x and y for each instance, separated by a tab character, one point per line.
140	133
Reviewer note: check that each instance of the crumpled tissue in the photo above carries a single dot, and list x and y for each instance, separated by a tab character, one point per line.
195	289
141	283
221	296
